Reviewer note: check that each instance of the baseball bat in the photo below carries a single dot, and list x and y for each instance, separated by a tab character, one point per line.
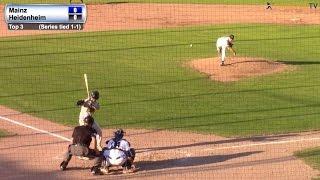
86	81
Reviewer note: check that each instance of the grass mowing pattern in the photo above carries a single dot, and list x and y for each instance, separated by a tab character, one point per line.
143	83
311	157
254	2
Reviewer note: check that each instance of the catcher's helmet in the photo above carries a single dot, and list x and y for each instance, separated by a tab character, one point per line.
94	94
231	36
119	134
88	120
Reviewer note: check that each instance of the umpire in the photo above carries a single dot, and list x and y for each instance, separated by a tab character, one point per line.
82	137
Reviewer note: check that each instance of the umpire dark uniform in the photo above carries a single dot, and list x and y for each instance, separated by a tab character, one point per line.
82	136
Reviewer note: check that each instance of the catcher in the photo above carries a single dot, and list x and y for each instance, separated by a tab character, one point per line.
81	140
118	153
88	107
224	43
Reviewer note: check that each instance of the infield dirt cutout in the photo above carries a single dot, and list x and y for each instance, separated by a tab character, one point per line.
237	68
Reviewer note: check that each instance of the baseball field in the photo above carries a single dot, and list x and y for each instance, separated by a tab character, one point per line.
3	133
155	65
311	156
257	2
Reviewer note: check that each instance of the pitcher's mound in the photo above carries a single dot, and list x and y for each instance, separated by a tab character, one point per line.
237	68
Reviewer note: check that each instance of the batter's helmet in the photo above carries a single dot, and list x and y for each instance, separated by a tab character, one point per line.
88	120
95	94
231	36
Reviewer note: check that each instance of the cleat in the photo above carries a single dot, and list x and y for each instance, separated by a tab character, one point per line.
133	169
95	171
104	170
63	166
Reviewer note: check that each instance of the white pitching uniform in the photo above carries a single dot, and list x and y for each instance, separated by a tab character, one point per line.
85	112
115	153
222	44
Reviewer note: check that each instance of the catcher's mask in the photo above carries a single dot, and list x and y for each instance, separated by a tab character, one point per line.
231	36
119	134
95	94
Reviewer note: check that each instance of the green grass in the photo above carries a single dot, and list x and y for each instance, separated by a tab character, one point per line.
256	2
4	133
143	83
311	157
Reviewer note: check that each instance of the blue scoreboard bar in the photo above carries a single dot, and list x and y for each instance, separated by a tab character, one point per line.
45	13
75	9
75	13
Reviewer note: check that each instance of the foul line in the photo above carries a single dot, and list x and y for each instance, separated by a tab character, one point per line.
262	144
208	149
36	129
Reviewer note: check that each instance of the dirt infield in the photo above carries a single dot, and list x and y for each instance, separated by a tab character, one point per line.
160	154
237	68
126	16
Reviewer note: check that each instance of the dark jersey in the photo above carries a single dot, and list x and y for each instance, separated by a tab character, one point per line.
82	135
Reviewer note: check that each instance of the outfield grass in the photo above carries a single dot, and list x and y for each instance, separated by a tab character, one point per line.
143	83
311	157
256	2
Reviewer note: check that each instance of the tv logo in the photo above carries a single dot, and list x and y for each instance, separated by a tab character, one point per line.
313	5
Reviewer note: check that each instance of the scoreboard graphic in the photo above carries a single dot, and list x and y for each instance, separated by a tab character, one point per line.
75	14
45	16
